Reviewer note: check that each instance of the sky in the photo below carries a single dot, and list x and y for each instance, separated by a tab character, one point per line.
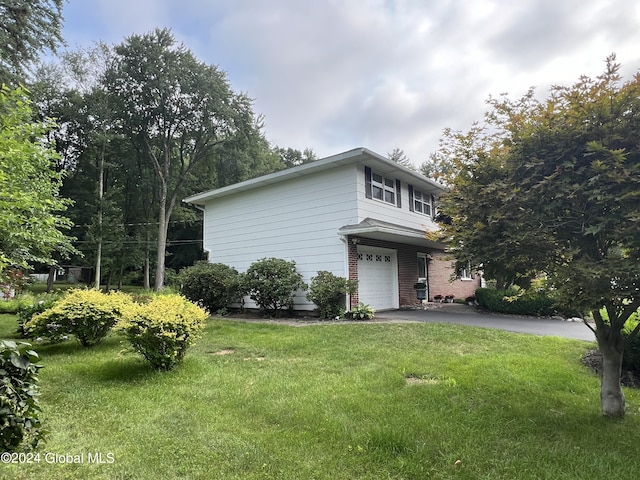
332	75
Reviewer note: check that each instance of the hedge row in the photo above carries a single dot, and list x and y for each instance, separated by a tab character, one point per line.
509	301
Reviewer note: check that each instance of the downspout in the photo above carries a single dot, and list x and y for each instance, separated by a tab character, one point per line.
345	240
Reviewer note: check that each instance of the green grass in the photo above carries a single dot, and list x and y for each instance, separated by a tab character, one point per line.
333	402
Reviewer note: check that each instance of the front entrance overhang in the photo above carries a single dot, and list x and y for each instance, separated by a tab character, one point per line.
390	232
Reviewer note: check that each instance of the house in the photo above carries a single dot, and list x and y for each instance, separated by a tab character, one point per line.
356	214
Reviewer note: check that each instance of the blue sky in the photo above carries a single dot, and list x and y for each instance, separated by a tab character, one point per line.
333	75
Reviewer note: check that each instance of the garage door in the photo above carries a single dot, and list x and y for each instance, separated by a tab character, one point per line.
378	279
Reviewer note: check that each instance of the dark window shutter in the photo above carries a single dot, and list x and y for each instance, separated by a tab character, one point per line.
398	194
367	182
411	198
433	207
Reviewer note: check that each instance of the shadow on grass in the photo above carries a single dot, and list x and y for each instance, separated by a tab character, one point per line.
123	370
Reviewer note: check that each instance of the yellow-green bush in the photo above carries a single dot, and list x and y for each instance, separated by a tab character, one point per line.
89	315
162	329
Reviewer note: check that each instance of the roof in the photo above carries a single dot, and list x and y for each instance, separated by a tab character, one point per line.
380	230
358	156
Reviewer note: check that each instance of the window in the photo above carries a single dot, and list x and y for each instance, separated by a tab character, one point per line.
465	273
421	202
381	188
422	267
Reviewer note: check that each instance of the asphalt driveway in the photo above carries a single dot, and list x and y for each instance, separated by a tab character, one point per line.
467	315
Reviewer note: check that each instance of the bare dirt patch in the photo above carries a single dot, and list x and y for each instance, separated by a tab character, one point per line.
593	360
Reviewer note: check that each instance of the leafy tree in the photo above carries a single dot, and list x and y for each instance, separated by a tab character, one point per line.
565	197
27	27
31	223
178	112
292	157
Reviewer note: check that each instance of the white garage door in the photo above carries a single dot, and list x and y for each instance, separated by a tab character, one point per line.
378	279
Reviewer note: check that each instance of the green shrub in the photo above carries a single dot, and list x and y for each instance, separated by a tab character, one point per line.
328	292
20	426
631	354
211	285
272	283
38	304
362	312
87	314
162	329
515	302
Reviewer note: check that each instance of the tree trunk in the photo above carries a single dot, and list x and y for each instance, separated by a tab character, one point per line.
162	247
51	278
611	344
147	270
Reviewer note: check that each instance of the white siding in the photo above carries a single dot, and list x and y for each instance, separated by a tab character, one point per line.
295	220
379	210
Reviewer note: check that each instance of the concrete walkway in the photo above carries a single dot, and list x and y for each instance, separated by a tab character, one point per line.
467	315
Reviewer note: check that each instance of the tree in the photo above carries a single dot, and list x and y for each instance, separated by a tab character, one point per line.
26	28
178	112
565	197
31	223
397	155
292	157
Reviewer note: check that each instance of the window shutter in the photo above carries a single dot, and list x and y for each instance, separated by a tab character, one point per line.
367	182
433	206
411	208
398	194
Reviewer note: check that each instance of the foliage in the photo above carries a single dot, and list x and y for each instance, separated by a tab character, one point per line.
631	354
26	29
554	187
516	301
211	285
20	425
362	312
328	292
179	113
272	283
162	329
30	221
89	315
37	305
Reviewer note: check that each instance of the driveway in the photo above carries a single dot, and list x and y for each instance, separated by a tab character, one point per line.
467	315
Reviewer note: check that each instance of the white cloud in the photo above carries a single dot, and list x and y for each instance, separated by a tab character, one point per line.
336	74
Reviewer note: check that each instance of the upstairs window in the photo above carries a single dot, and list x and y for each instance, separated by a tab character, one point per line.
381	188
420	202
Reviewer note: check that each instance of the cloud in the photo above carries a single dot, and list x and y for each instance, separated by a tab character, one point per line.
336	74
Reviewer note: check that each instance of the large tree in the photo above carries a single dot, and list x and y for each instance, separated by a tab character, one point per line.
555	188
27	27
179	113
31	224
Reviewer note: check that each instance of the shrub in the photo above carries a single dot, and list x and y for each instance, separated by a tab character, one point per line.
362	312
20	426
38	304
631	354
328	292
515	302
272	282
87	314
162	329
211	285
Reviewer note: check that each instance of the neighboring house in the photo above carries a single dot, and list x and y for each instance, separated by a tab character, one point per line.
356	214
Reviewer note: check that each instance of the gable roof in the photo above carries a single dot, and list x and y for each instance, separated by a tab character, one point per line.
358	156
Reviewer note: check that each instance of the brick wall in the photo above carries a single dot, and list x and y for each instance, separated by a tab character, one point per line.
440	278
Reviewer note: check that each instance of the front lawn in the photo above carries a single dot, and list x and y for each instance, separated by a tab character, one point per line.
357	401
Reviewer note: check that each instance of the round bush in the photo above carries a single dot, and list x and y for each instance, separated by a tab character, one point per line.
162	329
272	282
211	285
89	315
328	292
